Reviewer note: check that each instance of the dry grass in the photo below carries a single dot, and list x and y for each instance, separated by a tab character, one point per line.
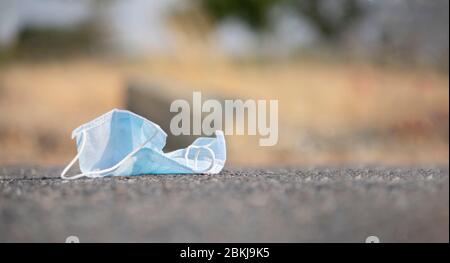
329	112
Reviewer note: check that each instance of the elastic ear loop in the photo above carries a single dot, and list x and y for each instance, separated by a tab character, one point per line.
63	174
206	147
97	174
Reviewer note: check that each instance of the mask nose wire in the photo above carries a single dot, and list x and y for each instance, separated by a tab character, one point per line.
199	148
97	174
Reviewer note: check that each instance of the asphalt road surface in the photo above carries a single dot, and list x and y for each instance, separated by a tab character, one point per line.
286	204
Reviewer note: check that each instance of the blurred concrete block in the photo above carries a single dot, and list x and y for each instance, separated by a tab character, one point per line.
153	100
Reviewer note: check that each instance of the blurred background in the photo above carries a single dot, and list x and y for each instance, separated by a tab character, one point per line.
358	81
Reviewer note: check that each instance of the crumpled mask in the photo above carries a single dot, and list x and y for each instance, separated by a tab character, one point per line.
122	143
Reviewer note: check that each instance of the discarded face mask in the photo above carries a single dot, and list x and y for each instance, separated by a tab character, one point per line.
122	143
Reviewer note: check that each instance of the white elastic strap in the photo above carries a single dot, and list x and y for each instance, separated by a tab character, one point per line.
97	174
199	148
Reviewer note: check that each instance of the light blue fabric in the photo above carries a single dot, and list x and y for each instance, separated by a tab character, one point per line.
122	143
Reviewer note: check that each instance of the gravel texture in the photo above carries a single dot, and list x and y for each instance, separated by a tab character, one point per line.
284	204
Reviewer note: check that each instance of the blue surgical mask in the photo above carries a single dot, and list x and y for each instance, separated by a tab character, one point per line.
122	143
